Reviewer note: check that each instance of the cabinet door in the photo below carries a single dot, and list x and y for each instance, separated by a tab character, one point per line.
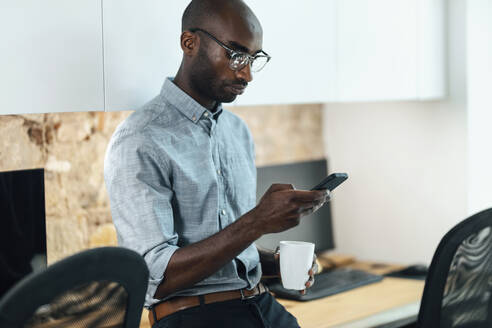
51	56
376	49
390	49
141	49
431	50
299	35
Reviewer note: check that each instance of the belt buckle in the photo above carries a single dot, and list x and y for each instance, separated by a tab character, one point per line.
243	297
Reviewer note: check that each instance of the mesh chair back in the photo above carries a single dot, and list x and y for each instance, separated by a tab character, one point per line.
458	289
102	287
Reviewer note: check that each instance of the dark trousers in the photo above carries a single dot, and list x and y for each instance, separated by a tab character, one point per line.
260	311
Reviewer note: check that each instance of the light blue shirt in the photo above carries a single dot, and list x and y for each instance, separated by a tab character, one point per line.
176	175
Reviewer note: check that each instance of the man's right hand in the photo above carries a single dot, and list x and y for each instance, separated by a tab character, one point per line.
282	207
279	209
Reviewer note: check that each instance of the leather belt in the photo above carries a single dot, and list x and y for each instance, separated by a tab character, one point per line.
178	303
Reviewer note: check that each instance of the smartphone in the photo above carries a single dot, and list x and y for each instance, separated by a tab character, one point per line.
331	182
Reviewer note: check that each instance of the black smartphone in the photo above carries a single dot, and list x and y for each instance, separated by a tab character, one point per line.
331	182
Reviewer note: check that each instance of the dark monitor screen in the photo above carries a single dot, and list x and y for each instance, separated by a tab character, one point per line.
317	227
22	225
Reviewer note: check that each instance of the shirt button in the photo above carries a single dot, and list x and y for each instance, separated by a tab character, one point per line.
219	172
223	212
206	114
193	118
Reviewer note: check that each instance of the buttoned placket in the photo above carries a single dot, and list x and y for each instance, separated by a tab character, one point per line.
223	218
210	125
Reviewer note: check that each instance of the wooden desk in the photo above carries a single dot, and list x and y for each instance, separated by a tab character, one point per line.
373	305
389	301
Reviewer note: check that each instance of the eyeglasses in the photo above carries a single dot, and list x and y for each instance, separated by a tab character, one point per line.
239	60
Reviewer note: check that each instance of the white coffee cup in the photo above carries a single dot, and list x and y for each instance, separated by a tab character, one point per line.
296	258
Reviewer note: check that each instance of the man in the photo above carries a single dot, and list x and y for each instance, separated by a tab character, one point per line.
182	183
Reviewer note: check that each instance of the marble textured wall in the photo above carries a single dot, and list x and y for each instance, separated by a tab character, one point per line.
71	147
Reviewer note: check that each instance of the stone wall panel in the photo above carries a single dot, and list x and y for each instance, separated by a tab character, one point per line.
71	148
65	236
285	133
17	150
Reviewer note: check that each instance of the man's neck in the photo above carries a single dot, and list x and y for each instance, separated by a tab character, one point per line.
184	84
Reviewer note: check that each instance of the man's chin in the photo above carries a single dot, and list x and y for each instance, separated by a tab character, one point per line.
227	98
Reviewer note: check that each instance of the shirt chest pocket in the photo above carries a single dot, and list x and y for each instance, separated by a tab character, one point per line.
241	180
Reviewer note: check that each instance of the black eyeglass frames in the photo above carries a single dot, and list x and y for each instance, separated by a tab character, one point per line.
239	60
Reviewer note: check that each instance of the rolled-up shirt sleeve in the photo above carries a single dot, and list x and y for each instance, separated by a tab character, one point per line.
139	188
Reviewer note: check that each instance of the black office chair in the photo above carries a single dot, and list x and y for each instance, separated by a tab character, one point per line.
458	289
101	287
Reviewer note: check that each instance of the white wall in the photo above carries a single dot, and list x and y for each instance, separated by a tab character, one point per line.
407	163
479	38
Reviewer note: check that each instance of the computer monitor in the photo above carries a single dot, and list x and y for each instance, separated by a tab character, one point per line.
22	225
317	227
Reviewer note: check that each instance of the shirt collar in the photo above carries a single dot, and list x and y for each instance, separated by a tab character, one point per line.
188	106
217	113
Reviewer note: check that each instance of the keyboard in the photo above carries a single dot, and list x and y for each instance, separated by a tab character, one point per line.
327	283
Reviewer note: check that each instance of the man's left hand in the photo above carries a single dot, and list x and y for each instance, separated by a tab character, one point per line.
314	270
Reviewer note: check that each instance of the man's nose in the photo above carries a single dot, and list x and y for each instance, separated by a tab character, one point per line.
245	73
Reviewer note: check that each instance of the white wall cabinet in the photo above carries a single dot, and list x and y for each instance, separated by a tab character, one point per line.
141	48
322	50
300	37
390	50
350	50
84	55
51	56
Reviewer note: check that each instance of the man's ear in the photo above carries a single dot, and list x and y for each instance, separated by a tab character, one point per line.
189	43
